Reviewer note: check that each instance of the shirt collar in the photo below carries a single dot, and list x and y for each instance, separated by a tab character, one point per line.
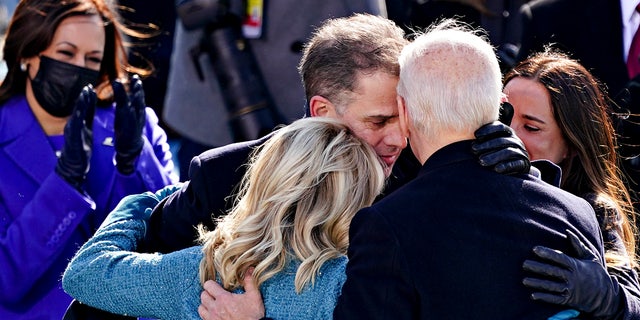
628	9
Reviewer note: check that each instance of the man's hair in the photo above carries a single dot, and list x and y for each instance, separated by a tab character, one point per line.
342	48
297	199
450	79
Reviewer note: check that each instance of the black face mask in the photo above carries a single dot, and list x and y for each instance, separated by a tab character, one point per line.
58	84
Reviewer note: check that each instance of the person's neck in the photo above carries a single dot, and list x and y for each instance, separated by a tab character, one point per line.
424	147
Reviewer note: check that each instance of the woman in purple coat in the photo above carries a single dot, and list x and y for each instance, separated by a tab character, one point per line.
68	153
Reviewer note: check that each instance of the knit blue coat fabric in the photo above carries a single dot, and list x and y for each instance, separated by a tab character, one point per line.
108	274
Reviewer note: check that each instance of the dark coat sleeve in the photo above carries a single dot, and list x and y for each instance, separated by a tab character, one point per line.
215	175
625	275
628	280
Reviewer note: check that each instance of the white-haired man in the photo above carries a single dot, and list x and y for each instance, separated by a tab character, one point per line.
450	243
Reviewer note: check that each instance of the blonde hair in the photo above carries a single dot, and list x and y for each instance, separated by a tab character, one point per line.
297	199
580	108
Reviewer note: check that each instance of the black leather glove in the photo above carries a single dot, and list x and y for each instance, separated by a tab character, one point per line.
581	282
73	163
129	121
498	147
506	113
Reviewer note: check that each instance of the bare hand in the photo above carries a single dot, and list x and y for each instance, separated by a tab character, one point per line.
218	303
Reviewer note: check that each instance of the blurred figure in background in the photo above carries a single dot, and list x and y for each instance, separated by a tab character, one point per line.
6	11
497	17
195	107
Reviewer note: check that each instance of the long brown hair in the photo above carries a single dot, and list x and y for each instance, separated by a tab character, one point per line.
581	110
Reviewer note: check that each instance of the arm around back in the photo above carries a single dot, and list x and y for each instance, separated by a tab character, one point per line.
215	174
102	272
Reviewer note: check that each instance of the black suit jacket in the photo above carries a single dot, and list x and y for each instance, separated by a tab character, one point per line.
450	244
214	177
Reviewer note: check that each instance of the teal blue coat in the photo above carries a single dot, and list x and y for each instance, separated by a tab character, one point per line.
107	274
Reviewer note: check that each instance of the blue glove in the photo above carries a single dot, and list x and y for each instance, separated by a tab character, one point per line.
133	207
168	190
73	163
579	282
128	124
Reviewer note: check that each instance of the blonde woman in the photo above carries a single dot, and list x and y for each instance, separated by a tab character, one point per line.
290	222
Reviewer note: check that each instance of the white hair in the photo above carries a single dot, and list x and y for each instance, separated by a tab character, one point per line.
450	80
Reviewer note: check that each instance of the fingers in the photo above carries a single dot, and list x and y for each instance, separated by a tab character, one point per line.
545	285
214	289
135	79
84	101
498	143
130	103
518	165
581	249
551	279
504	153
137	92
203	312
506	113
206	303
555	256
248	283
544	269
253	296
84	109
493	130
89	97
217	303
119	94
550	297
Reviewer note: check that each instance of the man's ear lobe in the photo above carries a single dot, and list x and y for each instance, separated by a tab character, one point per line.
320	106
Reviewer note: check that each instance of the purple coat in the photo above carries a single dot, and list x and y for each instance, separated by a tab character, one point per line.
43	220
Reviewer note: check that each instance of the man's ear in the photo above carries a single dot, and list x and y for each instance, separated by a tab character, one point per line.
403	116
320	106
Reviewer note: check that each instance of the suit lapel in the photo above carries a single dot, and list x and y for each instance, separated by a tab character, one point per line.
29	147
